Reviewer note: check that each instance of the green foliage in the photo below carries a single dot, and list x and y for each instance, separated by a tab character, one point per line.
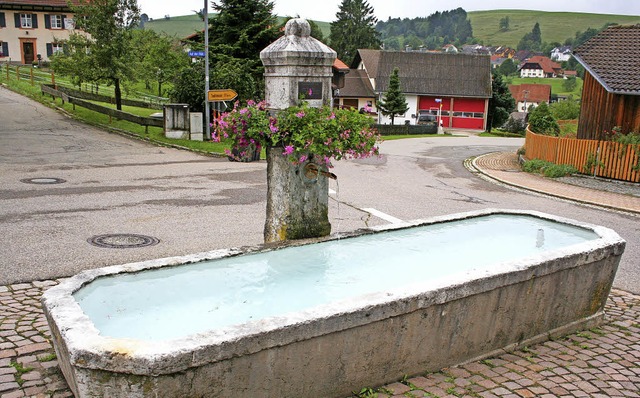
353	29
301	131
570	83
548	169
504	24
541	121
110	24
434	31
188	87
508	67
515	126
568	109
531	41
501	103
393	102
157	57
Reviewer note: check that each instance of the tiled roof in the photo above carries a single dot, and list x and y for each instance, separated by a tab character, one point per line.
52	3
443	74
611	57
547	65
357	84
535	92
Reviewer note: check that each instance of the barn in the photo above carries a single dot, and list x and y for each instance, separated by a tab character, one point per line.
611	90
456	85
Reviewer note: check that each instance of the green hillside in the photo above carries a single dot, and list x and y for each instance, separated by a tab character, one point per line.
186	25
555	26
179	27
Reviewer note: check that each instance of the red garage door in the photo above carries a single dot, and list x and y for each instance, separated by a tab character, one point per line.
430	104
468	113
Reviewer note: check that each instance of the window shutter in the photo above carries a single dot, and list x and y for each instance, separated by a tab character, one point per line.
49	49
17	19
34	21
3	23
5	49
47	21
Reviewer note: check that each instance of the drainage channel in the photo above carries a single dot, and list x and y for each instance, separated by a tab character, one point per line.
123	241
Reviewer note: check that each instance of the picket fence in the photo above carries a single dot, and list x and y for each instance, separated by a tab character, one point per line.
598	158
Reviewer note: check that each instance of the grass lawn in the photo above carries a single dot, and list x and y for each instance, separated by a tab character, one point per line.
554	26
556	85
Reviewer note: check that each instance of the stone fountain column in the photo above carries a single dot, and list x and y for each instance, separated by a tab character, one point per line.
296	66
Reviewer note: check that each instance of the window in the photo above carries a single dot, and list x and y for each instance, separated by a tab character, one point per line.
26	21
4	49
56	21
54	48
3	22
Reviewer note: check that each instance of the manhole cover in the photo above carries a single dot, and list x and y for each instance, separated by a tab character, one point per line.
123	241
43	180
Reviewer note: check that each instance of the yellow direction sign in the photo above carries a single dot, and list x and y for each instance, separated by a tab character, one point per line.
221	95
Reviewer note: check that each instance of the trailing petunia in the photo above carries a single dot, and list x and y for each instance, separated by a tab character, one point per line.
301	132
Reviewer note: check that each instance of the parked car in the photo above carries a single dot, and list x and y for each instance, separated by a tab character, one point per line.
429	121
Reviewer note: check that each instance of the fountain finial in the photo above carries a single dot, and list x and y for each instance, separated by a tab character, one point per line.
297	27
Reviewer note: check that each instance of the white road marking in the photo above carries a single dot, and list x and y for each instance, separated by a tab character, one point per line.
383	216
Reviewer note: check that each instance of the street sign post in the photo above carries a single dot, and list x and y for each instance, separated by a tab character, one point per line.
221	95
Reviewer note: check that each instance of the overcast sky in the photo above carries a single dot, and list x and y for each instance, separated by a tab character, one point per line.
325	10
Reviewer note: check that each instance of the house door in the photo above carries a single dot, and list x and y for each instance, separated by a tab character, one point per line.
28	52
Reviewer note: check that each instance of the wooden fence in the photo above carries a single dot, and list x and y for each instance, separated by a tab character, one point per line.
143	121
598	158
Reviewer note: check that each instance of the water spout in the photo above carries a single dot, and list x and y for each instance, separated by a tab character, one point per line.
311	171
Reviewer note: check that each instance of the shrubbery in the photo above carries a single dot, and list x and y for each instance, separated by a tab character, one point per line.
548	169
541	121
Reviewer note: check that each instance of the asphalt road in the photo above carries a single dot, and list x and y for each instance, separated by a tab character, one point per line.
193	203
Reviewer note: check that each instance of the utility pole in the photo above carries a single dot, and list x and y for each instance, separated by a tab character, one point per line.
207	117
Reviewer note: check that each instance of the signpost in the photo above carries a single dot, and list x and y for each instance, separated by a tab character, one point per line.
196	54
221	95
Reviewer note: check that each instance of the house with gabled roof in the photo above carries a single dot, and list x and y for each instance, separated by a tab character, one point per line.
33	30
611	90
527	95
540	66
455	86
561	54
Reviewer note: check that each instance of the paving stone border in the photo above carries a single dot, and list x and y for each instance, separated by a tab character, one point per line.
601	362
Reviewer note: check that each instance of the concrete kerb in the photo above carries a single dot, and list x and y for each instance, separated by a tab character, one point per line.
472	165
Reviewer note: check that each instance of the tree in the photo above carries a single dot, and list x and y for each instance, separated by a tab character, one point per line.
531	41
108	50
565	110
570	84
541	120
393	102
504	24
501	103
353	29
508	67
159	58
237	34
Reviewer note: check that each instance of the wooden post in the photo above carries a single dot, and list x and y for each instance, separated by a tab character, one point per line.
53	79
31	75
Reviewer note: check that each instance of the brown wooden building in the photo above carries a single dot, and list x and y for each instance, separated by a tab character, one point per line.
611	91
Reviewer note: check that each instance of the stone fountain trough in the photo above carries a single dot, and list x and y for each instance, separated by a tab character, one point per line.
324	318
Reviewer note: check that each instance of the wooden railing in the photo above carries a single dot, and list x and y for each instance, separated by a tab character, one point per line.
112	113
598	158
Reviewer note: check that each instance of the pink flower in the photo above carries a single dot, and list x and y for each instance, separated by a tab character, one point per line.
332	116
300	114
302	158
288	150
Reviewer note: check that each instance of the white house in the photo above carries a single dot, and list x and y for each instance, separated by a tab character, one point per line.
561	54
32	30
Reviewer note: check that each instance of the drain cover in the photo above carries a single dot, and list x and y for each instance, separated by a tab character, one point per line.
43	180
123	241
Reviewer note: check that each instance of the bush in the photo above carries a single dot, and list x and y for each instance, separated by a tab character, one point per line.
515	126
541	121
548	169
565	110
